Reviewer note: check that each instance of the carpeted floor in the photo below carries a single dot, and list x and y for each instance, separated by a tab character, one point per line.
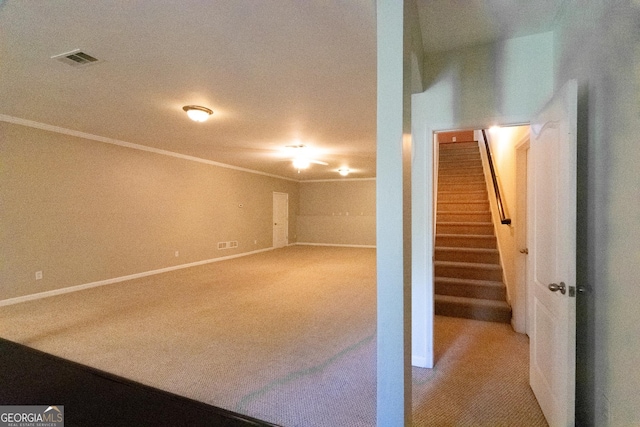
286	336
99	399
481	378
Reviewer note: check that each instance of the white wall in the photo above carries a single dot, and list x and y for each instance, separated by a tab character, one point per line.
337	212
598	43
393	372
503	142
490	82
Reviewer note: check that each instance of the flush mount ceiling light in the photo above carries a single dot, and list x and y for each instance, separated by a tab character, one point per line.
344	171
197	113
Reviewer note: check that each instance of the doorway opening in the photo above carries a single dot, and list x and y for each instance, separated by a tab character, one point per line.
479	190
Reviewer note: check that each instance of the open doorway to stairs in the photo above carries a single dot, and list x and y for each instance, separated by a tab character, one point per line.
551	236
479	187
479	277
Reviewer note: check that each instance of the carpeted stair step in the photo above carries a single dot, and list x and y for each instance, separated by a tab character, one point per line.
468	275
457	216
466	241
459	152
479	255
457	162
460	161
461	179
468	170
464	228
467	153
445	146
470	288
479	195
460	206
460	182
473	308
470	150
468	270
456	186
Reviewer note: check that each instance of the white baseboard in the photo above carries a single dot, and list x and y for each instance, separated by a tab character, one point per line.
66	290
334	245
421	362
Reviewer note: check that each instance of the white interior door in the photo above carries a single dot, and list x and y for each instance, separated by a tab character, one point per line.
552	249
280	220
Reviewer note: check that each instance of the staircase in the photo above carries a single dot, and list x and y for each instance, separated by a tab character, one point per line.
468	275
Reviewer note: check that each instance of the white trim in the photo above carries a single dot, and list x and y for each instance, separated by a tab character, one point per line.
78	134
76	288
520	318
421	362
333	245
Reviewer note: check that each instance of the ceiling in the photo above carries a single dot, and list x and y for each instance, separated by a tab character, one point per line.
275	73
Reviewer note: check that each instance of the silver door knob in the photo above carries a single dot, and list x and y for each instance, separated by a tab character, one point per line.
554	287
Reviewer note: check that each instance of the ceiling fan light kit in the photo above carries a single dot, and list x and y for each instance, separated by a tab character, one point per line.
301	163
197	113
302	156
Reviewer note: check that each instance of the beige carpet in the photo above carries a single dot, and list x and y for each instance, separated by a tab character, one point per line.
287	336
481	378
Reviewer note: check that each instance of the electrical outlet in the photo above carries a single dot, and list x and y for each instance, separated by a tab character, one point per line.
177	254
38	275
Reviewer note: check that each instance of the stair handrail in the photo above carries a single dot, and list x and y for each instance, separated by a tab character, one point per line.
503	217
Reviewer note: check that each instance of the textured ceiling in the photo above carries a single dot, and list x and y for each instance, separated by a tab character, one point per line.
275	73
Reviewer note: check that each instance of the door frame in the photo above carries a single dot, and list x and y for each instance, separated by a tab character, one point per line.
423	196
520	320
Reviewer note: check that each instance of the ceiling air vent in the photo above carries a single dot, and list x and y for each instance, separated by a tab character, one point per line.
76	58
